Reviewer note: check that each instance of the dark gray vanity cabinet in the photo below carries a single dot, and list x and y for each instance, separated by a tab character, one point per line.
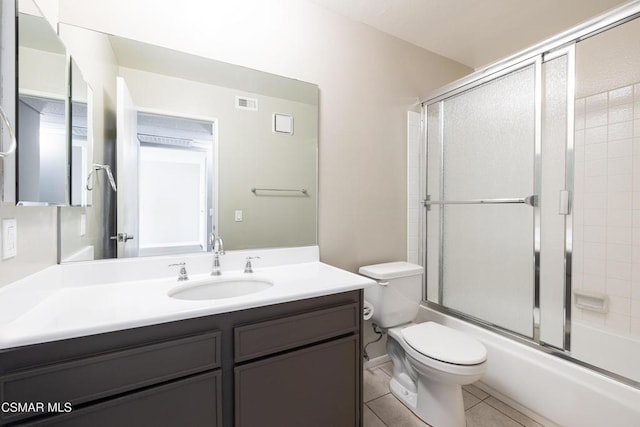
300	370
172	382
192	401
311	387
291	364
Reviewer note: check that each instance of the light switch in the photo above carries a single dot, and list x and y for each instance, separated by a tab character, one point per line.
9	238
238	216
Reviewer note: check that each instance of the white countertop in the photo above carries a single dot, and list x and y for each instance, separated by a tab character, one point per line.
48	307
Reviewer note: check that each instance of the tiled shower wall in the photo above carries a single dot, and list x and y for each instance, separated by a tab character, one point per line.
607	207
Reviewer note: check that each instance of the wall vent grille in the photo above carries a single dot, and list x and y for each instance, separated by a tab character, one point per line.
245	103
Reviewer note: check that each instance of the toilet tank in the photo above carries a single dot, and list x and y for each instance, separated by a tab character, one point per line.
396	298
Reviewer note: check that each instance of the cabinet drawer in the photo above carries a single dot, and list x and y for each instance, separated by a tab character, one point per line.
264	338
105	375
192	402
316	386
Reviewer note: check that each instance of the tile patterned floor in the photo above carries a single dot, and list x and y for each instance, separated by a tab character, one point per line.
382	409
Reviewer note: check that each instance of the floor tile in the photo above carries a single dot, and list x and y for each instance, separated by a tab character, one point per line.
481	409
393	413
371	419
376	384
387	367
483	415
513	413
477	392
469	400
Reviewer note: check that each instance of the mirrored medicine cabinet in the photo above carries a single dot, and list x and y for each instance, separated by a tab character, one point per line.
42	110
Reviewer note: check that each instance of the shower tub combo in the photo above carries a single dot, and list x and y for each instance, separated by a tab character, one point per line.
531	220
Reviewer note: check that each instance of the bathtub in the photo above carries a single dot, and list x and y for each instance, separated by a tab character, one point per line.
608	350
548	389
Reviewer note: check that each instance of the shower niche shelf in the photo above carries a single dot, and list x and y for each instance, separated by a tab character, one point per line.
593	301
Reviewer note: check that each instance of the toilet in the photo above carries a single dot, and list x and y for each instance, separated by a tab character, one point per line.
431	362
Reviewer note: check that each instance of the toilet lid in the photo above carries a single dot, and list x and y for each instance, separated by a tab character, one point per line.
391	270
444	344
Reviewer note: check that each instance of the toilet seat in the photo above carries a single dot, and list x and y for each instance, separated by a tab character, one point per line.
444	344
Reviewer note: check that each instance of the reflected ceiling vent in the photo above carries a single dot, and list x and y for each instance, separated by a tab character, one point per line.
164	140
245	103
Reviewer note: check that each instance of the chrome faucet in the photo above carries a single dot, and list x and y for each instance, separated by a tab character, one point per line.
218	249
248	268
182	275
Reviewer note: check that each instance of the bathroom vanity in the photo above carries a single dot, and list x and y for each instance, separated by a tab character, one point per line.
263	360
294	364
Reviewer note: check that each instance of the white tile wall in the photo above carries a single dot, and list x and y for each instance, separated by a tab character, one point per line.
606	256
413	186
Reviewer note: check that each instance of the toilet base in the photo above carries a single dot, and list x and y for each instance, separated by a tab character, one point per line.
404	395
437	404
440	404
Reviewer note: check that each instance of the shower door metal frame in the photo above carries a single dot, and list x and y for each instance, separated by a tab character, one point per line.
561	44
537	184
570	53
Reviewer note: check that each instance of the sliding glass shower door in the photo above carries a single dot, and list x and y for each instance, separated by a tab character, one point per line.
532	198
481	222
606	264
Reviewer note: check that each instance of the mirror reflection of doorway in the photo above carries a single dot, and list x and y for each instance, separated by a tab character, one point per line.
165	189
174	184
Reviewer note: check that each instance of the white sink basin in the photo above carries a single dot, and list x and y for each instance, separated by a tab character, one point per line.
219	288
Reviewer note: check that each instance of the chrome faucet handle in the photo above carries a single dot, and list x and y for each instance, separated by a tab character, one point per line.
182	275
248	268
220	245
218	249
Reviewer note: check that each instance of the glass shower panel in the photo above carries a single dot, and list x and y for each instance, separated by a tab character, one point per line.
487	255
434	154
605	322
554	279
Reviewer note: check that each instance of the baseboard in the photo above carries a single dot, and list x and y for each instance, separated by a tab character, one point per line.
372	363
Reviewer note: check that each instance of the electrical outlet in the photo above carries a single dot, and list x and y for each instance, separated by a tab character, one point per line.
9	238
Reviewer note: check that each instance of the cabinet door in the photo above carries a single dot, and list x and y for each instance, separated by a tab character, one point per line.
91	378
192	402
314	387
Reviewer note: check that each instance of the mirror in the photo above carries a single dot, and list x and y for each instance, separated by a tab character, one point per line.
203	146
42	110
81	139
8	90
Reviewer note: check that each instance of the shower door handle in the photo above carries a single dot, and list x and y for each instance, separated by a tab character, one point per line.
528	200
564	207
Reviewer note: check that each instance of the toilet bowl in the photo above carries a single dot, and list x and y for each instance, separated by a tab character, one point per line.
431	362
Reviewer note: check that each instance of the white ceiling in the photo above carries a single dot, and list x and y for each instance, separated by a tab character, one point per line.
473	32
